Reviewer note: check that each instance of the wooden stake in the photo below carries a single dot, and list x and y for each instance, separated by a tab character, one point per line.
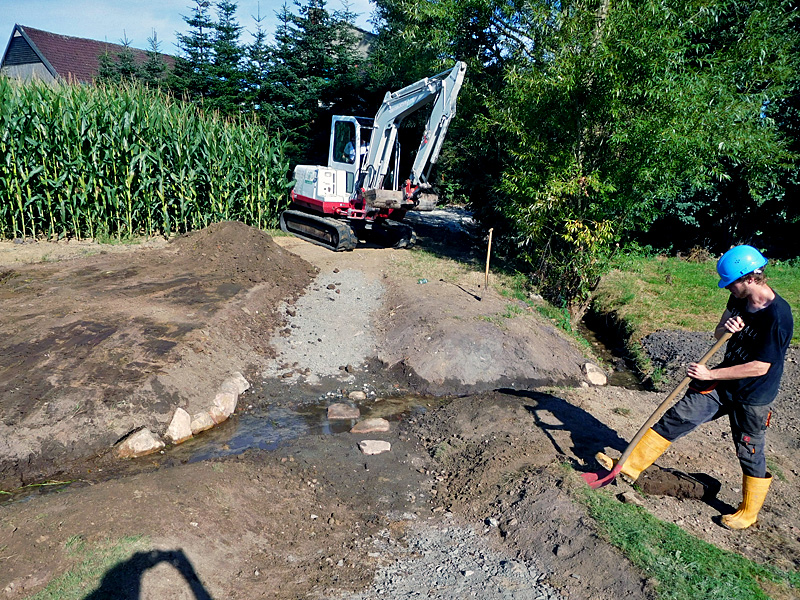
488	255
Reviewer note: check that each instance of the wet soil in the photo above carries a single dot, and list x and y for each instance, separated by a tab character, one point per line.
485	406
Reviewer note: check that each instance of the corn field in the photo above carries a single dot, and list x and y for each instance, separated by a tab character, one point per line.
81	161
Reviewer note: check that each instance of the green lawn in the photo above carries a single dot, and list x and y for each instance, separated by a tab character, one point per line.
658	292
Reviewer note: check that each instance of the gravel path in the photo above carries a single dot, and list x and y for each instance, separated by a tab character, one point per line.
447	561
328	328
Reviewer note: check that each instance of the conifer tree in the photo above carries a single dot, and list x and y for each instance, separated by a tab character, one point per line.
192	74
227	82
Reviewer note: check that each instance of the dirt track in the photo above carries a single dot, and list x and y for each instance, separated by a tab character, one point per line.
100	345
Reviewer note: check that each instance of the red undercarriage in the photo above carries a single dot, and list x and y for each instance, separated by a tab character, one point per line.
355	209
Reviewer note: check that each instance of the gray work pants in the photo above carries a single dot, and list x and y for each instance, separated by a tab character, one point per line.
748	424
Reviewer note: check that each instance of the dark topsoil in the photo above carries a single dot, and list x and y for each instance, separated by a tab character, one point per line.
100	341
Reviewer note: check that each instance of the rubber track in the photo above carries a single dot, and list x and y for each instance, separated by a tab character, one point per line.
330	233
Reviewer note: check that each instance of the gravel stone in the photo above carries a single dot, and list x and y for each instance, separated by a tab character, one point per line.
322	323
449	562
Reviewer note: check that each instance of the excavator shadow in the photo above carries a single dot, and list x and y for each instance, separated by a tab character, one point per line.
448	234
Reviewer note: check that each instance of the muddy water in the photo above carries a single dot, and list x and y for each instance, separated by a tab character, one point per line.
266	428
613	354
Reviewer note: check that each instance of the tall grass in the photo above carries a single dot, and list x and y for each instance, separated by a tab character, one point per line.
80	161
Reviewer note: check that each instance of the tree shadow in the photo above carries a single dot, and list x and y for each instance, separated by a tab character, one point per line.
447	237
588	434
124	581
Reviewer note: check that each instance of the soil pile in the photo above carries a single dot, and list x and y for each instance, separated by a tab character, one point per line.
97	346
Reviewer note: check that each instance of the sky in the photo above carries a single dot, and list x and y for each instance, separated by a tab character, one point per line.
111	20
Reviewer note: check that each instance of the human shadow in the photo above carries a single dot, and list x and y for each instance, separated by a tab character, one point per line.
587	434
124	581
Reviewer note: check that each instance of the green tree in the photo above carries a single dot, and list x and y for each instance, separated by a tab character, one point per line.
192	74
227	82
121	66
256	72
603	115
312	75
154	69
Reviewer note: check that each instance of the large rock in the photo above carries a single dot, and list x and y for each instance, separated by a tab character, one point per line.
180	429
340	411
226	402
235	384
371	426
217	415
371	447
140	443
202	421
594	374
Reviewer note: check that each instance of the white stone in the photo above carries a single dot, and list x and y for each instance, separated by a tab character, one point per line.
235	384
201	422
226	402
370	447
140	443
217	415
180	429
357	396
342	411
594	374
630	498
371	426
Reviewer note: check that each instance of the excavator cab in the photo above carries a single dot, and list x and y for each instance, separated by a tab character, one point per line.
348	148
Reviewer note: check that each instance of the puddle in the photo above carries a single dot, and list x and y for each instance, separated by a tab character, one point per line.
269	429
265	428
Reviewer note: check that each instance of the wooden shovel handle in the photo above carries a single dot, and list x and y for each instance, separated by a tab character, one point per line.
662	408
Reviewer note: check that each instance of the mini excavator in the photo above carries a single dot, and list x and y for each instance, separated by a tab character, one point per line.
359	193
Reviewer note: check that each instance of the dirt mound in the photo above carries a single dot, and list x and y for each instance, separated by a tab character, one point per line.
495	459
232	252
97	346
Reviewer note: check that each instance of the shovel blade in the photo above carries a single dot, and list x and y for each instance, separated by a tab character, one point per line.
601	478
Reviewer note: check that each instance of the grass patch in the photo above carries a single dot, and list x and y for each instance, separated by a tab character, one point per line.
652	293
49	483
684	567
92	562
422	264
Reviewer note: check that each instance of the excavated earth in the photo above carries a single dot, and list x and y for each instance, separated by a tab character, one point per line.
486	401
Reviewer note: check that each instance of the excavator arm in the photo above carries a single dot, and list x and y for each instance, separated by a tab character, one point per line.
441	90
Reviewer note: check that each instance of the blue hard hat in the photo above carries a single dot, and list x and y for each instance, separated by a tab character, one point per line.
738	262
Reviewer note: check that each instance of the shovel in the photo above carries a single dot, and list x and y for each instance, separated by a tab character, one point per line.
603	478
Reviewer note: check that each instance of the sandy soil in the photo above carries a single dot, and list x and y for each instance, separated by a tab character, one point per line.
485	404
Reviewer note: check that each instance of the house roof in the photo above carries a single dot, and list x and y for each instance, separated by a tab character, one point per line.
72	58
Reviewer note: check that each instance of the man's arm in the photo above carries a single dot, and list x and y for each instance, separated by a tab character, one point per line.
754	368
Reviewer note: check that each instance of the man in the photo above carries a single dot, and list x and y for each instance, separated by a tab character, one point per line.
742	387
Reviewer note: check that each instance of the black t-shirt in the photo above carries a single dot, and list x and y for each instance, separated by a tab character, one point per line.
765	337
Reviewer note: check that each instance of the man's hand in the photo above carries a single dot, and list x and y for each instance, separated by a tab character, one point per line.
701	372
734	324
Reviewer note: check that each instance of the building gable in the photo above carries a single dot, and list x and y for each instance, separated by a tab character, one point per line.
49	56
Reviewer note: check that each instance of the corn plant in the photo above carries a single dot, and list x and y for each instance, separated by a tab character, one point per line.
78	161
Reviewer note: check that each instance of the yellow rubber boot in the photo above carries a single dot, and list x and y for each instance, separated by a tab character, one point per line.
649	448
753	493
